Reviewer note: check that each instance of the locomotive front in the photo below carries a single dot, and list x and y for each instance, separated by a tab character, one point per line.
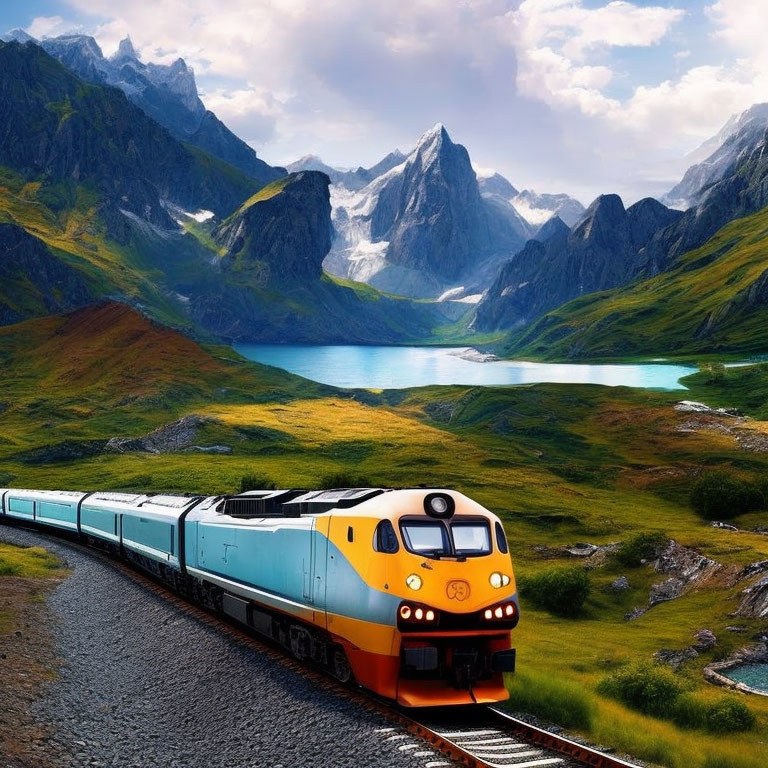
444	561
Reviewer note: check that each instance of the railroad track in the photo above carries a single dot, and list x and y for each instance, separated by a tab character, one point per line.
478	737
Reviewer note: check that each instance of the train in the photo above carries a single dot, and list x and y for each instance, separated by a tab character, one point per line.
409	593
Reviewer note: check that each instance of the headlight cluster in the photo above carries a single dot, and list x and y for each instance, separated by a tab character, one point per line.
505	612
499	580
412	613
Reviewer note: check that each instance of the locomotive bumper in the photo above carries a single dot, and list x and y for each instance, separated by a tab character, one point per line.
442	669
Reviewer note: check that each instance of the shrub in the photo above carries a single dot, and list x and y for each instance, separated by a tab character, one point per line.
729	716
559	701
642	546
559	590
645	687
719	495
256	483
689	712
344	480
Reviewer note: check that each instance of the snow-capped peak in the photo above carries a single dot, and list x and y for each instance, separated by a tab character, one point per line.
17	34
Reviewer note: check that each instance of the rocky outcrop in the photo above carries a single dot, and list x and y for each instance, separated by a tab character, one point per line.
170	438
669	589
754	601
34	280
282	236
601	252
687	565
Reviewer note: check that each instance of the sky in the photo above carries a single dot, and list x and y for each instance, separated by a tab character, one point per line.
577	96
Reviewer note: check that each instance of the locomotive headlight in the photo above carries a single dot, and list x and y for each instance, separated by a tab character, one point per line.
414	581
498	613
497	580
504	580
419	614
429	616
405	612
488	613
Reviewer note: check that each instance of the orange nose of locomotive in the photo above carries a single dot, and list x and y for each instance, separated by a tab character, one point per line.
458	604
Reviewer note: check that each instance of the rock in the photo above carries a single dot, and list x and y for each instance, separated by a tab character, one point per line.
635	613
675	659
723	526
753	569
705	639
686	564
734	628
581	550
691	406
166	439
620	585
667	590
208	449
754	603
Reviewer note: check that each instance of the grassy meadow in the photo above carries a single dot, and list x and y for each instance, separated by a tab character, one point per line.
559	463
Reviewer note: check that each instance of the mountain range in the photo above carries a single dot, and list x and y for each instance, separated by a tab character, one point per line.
116	182
166	93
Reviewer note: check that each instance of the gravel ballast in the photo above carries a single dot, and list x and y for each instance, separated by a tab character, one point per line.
144	683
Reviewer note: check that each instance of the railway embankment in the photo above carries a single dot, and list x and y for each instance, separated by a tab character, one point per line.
140	681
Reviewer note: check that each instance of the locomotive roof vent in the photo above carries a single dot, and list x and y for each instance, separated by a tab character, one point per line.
260	504
316	502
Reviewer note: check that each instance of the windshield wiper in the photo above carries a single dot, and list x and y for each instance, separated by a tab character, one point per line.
434	554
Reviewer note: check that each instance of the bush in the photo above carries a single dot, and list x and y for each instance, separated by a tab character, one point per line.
344	480
642	546
718	495
729	716
559	590
690	712
256	483
542	694
645	687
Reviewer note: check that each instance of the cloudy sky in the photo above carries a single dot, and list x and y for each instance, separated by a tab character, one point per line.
581	96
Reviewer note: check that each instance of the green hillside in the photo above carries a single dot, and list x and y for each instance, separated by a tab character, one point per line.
714	300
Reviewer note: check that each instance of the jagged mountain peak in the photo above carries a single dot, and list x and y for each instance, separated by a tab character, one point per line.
554	227
605	210
125	50
18	35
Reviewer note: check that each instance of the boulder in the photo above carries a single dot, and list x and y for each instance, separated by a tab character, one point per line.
691	406
753	569
686	564
666	590
675	659
619	585
635	613
705	639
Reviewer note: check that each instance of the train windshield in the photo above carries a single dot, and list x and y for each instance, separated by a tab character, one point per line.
426	538
471	538
436	539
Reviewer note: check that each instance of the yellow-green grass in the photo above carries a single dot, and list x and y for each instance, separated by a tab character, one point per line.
266	193
559	463
699	306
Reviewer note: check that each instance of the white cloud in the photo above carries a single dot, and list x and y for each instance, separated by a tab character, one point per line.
50	26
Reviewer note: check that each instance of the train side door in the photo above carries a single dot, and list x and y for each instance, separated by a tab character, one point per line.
319	567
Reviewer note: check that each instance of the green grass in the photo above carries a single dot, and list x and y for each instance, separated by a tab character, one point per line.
28	562
703	305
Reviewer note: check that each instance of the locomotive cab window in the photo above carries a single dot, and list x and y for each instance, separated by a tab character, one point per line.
436	538
385	539
471	538
425	538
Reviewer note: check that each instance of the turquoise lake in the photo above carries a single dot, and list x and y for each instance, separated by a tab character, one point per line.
398	367
753	675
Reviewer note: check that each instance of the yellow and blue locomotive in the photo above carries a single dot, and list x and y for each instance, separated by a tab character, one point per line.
408	592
